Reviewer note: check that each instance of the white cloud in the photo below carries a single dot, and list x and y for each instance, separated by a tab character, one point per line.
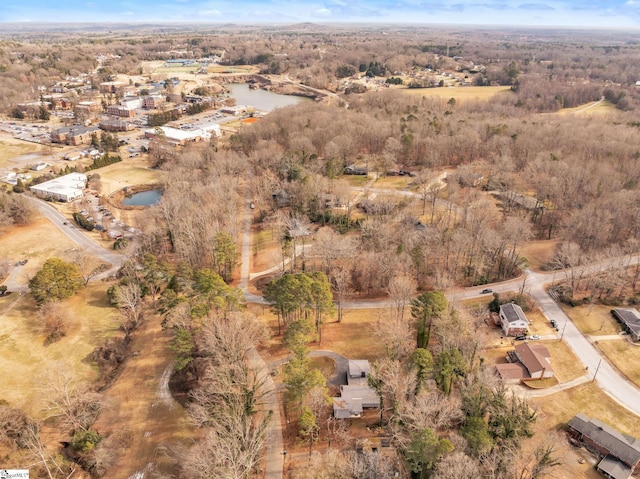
210	13
322	12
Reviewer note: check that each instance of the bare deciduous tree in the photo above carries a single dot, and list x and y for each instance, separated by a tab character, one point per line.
74	402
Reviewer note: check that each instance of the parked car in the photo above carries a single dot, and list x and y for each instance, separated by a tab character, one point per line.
486	291
533	337
520	338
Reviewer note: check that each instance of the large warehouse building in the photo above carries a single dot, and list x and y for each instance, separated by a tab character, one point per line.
66	188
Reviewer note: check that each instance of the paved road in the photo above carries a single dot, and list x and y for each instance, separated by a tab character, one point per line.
78	237
274	459
16	282
607	377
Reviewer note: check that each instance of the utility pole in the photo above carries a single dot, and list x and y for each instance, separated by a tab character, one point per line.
597	368
563	328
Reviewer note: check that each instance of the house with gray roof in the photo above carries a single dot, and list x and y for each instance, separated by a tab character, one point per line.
620	453
630	318
513	320
356	395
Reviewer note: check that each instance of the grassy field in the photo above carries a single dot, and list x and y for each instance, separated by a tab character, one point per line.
26	242
557	410
593	108
28	363
460	93
353	337
624	356
128	172
538	253
393	182
595	320
11	148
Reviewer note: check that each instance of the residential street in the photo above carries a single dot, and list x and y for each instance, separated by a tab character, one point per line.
607	378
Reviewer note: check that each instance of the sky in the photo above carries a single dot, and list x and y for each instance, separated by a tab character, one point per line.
588	13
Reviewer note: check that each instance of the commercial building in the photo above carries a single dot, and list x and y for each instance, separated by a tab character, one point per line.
65	188
74	135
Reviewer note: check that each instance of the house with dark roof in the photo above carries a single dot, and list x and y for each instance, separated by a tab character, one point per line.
513	320
630	319
526	361
620	453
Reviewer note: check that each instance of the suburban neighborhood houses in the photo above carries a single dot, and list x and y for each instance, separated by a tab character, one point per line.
201	224
526	361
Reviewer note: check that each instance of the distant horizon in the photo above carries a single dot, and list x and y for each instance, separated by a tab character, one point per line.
605	14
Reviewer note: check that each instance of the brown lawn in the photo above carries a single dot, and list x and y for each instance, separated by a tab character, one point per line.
28	363
594	320
393	182
460	93
553	413
11	148
538	253
129	172
624	356
26	242
556	410
266	249
590	109
138	405
354	336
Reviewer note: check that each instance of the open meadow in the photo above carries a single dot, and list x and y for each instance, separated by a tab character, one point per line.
460	93
29	364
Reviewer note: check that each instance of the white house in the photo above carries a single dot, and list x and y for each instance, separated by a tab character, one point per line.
65	188
513	320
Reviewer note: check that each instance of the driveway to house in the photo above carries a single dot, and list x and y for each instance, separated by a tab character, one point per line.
341	365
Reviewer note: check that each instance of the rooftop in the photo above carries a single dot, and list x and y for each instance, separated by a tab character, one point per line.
623	447
513	312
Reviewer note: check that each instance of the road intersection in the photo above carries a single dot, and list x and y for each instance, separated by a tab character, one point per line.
534	283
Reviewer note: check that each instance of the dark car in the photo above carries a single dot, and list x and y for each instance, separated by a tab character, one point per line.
486	291
520	338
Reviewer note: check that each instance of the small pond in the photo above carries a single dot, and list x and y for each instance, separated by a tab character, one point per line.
144	198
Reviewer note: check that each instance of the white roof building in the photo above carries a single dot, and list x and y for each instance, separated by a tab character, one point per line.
66	188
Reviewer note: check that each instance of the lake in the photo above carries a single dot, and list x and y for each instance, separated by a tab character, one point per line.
261	99
144	198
